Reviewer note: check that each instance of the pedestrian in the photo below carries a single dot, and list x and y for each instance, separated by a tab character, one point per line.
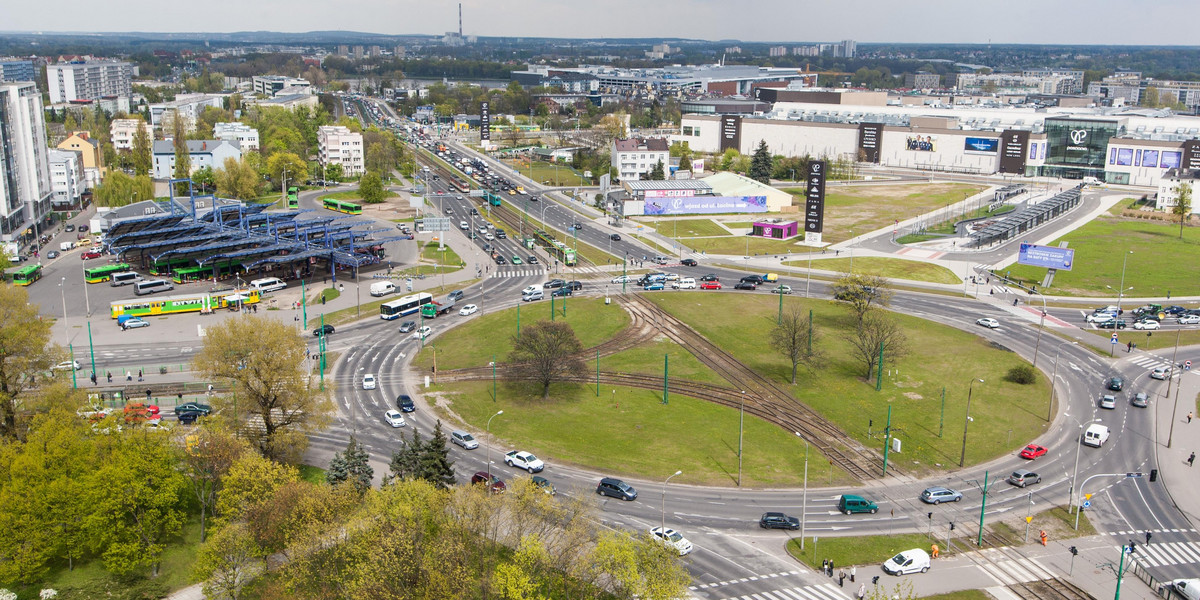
1191	459
1147	538
853	572
831	567
824	566
322	299
1189	417
1128	347
862	591
109	373
934	550
842	578
128	376
1043	536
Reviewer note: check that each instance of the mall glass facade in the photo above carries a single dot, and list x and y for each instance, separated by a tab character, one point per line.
1077	147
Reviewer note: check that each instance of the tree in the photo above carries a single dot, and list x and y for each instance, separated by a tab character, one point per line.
878	331
1183	204
546	352
142	155
119	189
760	164
685	163
638	567
435	464
862	293
1150	97
334	172
794	338
183	157
238	178
657	172
25	352
353	466
406	462
370	187
262	358
203	178
205	464
228	561
251	479
297	169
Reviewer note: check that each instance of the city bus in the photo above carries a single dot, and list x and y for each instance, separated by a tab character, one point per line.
194	273
343	206
166	266
104	273
167	305
25	275
403	306
293	197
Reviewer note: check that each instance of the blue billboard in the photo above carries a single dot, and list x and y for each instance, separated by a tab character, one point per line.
978	144
1050	257
696	205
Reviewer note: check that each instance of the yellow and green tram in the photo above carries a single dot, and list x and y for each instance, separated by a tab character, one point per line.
343	206
168	305
24	275
103	273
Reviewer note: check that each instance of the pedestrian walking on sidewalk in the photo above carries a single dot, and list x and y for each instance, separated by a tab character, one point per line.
862	591
1189	417
853	573
1191	459
842	578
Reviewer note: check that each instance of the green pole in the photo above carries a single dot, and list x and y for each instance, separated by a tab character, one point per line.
564	306
518	320
982	507
1120	573
321	349
304	306
74	383
92	347
779	319
810	327
493	378
551	306
887	438
665	378
879	370
942	423
422	313
597	373
624	273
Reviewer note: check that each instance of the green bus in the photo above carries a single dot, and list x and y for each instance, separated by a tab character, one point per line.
343	206
105	273
293	197
186	274
166	266
25	275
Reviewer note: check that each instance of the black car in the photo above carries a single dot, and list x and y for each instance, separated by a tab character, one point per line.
195	407
1175	310
474	211
501	235
532	260
574	285
778	520
755	279
615	488
405	403
710	277
83	228
323	330
578	226
408	326
554	283
689	262
1113	324
614	237
500	260
563	291
1116	383
188	417
745	285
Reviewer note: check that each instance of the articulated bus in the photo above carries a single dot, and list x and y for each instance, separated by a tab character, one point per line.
105	273
166	266
194	273
167	305
342	206
293	197
24	275
403	306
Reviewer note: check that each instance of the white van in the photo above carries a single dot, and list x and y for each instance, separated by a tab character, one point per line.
65	246
126	278
153	286
1188	589
1095	436
383	288
267	284
686	283
909	561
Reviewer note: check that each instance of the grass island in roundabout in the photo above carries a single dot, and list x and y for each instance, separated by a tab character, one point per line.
630	431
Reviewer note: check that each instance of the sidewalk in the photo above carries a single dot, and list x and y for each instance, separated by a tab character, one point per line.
1172	423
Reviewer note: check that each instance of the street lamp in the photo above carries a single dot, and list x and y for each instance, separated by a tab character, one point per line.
62	286
967	421
489	448
663	527
804	500
1078	445
1040	328
1121	291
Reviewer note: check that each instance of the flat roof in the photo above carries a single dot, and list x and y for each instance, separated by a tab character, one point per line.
669	184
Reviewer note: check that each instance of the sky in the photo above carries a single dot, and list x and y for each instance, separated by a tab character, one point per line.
1107	22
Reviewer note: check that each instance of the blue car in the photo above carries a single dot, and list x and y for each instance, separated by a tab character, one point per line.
650	287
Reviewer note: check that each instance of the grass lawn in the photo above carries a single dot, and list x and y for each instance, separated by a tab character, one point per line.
371	309
474	343
686	228
546	172
648	359
866	208
896	268
1058	523
739	245
329	293
739	224
1155	268
353	195
312	474
857	550
446	256
941	358
631	432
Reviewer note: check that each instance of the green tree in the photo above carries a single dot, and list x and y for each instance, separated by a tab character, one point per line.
1150	97
228	562
370	187
760	164
637	567
546	352
297	168
206	461
238	179
435	464
25	352
406	462
657	172
203	180
119	189
251	480
862	293
142	149
353	466
1183	204
685	163
728	159
334	172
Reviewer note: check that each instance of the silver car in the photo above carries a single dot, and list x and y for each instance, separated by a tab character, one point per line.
938	495
464	439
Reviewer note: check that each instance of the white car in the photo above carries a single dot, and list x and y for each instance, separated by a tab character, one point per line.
1147	324
469	309
67	365
620	279
909	561
1102	317
489	237
673	539
421	332
531	289
394	418
1189	320
369	382
988	322
521	459
1161	373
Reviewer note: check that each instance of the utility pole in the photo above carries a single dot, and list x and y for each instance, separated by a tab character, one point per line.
887	439
666	378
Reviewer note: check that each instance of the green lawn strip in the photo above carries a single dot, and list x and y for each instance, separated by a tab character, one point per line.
940	356
546	173
685	228
472	344
1057	522
857	550
914	238
739	224
312	474
1120	207
1155	268
330	293
866	208
630	432
352	195
798	279
894	268
739	245
446	256
371	309
648	359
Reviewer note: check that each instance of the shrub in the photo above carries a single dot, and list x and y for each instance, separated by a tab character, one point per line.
1022	374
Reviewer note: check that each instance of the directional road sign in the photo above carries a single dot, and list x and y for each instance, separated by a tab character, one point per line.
1087	503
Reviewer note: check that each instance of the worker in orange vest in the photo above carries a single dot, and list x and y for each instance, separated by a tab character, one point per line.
936	550
1043	534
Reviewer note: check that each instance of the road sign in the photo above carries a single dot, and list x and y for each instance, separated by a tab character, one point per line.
1114	337
476	193
1028	519
1087	503
1133	474
1187	365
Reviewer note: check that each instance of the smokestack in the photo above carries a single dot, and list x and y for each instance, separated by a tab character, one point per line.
460	19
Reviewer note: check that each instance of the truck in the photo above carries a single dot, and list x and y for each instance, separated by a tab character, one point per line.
433	309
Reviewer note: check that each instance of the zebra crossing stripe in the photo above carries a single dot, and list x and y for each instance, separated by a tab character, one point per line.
998	574
1189	549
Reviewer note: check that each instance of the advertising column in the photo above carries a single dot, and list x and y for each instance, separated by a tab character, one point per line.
814	202
485	122
1012	151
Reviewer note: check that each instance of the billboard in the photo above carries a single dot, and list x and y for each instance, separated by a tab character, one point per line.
1170	160
485	122
869	137
699	205
731	132
1191	155
814	193
1050	257
982	145
921	143
1013	145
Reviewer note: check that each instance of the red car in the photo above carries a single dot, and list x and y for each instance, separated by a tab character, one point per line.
482	477
1033	451
710	285
90	254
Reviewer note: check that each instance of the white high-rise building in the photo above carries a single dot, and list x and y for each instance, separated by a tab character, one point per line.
338	145
89	80
25	168
67	180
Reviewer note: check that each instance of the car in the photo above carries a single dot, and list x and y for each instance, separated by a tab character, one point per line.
1112	324
1108	401
1115	383
1140	400
469	309
405	403
521	459
778	520
575	285
544	484
501	234
90	254
134	323
187	417
614	237
1174	310
710	285
1188	320
530	289
653	286
474	211
938	495
1100	317
323	330
745	285
195	407
483	477
369	382
1033	451
54	254
988	322
1161	373
783	289
672	539
482	229
755	279
1148	324
554	283
1023	478
512	192
464	439
710	277
909	561
500	260
83	228
689	262
408	326
531	259
69	228
615	488
516	260
67	365
421	332
456	295
850	504
394	418
620	279
533	297
561	292
578	226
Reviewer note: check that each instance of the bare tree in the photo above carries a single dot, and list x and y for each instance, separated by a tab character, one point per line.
794	337
878	332
547	352
1183	204
862	293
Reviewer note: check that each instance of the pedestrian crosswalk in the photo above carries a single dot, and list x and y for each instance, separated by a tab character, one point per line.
1011	570
827	591
1149	361
518	272
1161	554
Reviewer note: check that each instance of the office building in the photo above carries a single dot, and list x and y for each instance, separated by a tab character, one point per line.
922	81
203	153
25	168
338	145
634	158
186	107
67	179
89	80
269	85
245	135
122	132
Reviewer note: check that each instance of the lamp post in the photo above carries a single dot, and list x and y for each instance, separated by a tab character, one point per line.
741	430
1122	290
663	524
489	448
62	287
1042	326
1075	473
966	422
804	499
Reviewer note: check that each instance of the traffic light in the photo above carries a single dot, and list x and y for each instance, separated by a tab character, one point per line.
929	516
1073	550
1153	475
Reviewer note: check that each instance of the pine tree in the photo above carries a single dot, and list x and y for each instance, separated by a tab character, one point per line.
141	150
405	463
658	173
760	164
353	466
435	464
